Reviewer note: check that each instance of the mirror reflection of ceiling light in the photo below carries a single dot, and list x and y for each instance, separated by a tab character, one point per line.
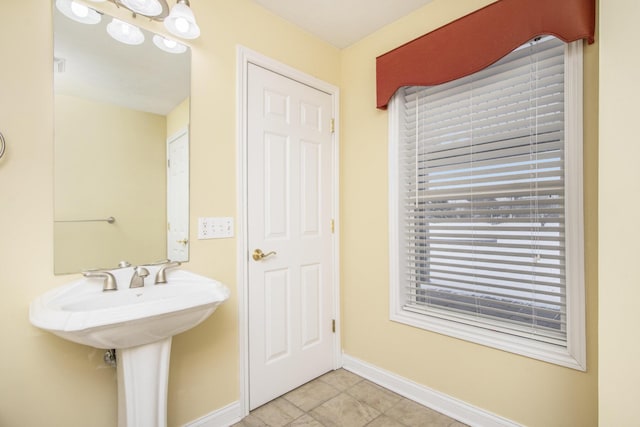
168	45
78	12
125	32
181	22
144	7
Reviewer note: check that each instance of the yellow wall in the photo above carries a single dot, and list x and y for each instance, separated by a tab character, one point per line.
178	118
70	384
619	386
524	390
109	161
45	380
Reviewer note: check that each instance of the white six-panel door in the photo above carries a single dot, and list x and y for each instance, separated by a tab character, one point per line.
178	197
289	217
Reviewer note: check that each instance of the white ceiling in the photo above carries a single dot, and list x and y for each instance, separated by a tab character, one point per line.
342	22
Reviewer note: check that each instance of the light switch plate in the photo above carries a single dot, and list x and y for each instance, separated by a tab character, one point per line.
215	228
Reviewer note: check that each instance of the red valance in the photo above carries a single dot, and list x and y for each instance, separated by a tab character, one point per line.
479	39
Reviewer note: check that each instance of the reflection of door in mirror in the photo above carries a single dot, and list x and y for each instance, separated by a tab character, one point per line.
116	106
178	196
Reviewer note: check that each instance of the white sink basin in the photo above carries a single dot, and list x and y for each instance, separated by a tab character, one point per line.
81	312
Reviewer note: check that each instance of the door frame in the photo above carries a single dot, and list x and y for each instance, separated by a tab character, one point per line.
246	56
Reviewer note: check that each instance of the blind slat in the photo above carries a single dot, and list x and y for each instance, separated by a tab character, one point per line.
493	323
491	307
480	244
502	252
548	308
530	261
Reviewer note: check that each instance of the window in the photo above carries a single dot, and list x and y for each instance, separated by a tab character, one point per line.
486	205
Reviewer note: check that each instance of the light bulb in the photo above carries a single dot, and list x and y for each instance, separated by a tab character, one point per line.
125	32
182	25
168	45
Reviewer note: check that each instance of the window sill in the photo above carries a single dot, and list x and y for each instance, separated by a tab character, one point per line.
501	341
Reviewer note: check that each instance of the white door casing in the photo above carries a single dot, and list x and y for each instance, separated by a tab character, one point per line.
178	196
290	340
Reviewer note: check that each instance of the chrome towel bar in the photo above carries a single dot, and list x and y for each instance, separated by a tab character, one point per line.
110	220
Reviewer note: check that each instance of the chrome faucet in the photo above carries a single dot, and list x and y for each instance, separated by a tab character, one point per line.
137	280
161	276
109	280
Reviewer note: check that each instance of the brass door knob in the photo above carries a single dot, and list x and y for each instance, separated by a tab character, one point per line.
183	241
258	255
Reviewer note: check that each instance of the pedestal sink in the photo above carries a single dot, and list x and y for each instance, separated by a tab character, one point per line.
139	323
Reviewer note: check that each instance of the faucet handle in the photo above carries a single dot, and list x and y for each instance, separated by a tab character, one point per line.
109	281
161	276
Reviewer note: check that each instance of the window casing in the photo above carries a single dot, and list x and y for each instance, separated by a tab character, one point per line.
486	205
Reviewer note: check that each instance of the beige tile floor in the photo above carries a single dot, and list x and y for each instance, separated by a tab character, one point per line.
341	398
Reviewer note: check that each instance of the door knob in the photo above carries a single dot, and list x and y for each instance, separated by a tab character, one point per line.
258	255
183	241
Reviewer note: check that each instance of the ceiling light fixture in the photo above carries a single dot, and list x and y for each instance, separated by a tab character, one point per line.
181	22
125	32
150	8
78	12
168	45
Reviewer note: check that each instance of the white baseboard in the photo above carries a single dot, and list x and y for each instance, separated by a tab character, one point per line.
433	399
222	417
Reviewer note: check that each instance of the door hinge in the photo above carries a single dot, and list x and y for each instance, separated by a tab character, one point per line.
168	226
333	326
168	163
333	226
332	126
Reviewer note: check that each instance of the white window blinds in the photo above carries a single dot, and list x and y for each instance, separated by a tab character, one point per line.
482	196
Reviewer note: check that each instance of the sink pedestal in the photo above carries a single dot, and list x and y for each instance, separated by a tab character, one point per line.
143	379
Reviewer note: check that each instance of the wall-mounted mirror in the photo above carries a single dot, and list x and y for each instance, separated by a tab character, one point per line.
121	148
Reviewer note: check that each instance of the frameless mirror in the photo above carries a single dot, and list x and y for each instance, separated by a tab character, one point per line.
121	163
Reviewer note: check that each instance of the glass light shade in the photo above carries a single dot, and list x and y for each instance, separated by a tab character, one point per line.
78	12
125	32
181	22
168	45
144	7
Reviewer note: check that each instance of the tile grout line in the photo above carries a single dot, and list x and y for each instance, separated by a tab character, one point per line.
346	387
